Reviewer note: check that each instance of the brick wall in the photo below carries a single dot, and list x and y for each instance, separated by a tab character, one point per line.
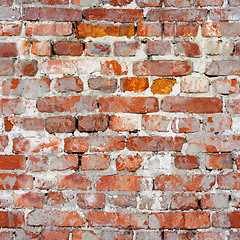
119	119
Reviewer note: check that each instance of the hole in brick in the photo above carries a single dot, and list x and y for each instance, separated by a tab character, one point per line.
79	161
229	198
199	203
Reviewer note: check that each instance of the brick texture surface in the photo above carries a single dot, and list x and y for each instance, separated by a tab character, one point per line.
119	119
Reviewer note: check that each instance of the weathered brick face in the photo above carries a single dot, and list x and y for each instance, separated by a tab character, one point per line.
119	119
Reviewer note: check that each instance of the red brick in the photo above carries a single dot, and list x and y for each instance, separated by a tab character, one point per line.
11	219
229	181
69	84
37	163
6	235
234	3
149	3
55	2
155	143
179	236
91	200
168	220
74	181
226	220
33	124
110	68
162	68
52	14
55	234
148	235
117	2
27	67
68	48
119	235
113	15
135	84
55	218
126	49
163	86
117	220
215	3
223	67
128	104
149	29
58	66
8	49
214	200
179	183
123	201
178	3
185	125
10	29
84	234
217	29
187	30
62	104
234	236
233	106
25	47
12	181
11	106
182	201
37	145
94	144
191	104
123	124
155	123
12	162
97	49
92	123
29	88
27	234
58	199
215	143
158	47
6	2
186	162
129	163
3	142
225	14
100	30
64	162
209	235
42	29
6	67
103	84
95	162
217	123
188	49
197	220
182	15
122	183
237	49
200	182
10	122
225	86
10	13
29	200
60	124
169	183
238	162
41	48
